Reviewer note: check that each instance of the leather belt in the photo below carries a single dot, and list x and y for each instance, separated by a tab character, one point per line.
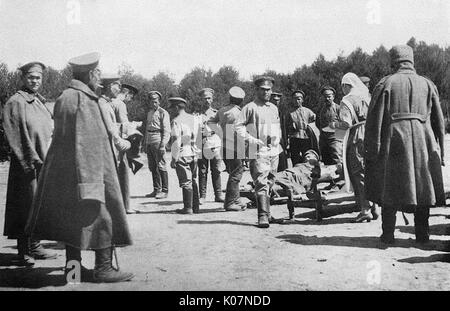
400	116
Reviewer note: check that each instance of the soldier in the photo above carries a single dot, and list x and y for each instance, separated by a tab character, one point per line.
259	124
113	95
28	127
78	199
156	138
129	91
184	153
406	147
330	144
211	150
297	119
226	118
275	99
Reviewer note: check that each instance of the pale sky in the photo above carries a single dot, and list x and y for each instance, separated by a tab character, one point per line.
177	35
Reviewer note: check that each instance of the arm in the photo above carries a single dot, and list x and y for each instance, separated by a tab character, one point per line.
374	122
176	141
166	130
437	122
16	131
241	127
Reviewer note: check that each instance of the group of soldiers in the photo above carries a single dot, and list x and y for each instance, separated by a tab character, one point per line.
69	182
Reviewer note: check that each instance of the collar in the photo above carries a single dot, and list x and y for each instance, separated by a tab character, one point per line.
80	86
30	97
260	102
106	98
406	67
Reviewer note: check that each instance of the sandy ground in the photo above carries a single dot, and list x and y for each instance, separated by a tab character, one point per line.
218	250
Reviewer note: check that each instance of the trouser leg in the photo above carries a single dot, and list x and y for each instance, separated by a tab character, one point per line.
295	151
195	192
421	224
203	165
216	180
357	180
184	173
152	156
124	181
232	195
260	169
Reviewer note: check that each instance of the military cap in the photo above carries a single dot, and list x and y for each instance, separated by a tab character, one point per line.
85	62
108	78
402	53
178	100
327	88
32	67
236	92
130	87
364	79
206	90
298	91
157	93
264	82
276	94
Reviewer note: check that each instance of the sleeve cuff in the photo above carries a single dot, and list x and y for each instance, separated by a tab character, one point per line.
91	191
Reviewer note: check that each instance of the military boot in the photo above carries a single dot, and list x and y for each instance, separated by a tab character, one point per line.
24	258
188	200
421	224
104	272
73	253
263	206
388	219
195	198
38	252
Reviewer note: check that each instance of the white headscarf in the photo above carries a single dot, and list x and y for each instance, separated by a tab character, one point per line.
358	88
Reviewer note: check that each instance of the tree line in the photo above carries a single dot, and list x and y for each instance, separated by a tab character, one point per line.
431	60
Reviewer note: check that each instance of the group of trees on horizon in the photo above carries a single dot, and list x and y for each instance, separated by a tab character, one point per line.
431	60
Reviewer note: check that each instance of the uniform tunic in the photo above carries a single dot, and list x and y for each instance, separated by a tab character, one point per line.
226	118
403	164
297	121
78	199
330	146
28	127
260	120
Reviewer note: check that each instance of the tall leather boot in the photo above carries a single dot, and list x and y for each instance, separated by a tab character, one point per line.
188	197
263	206
73	253
23	248
388	218
195	197
217	186
38	252
421	224
104	271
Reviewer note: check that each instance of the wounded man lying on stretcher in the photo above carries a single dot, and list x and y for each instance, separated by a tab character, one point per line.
303	177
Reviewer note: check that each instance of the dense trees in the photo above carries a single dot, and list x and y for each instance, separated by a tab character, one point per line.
431	61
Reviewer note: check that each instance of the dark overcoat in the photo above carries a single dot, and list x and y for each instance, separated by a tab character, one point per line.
28	126
403	164
78	200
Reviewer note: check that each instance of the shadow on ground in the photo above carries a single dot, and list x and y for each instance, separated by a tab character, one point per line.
363	242
213	222
31	277
174	211
428	259
326	221
440	229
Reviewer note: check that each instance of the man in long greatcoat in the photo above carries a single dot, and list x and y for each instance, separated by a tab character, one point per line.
28	126
404	146
78	200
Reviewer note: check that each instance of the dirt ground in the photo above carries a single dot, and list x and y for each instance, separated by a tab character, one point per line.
218	250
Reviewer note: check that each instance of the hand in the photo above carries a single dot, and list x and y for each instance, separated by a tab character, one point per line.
122	144
259	142
173	163
162	152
